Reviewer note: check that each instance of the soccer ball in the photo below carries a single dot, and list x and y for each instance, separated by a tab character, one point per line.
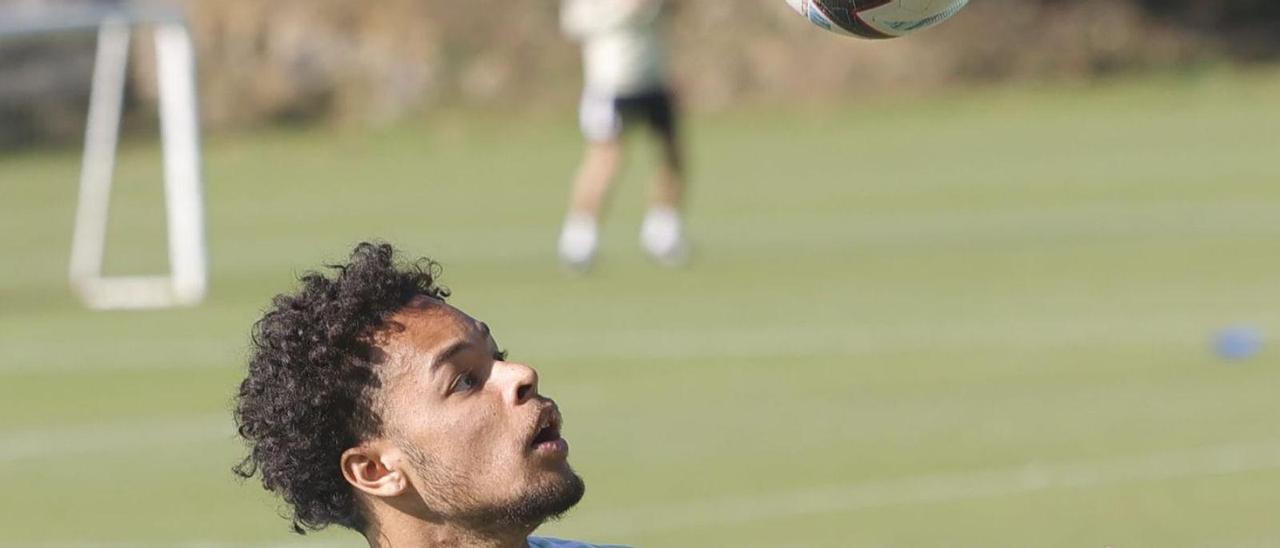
876	19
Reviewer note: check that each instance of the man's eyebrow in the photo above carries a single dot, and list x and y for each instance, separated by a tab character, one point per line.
448	353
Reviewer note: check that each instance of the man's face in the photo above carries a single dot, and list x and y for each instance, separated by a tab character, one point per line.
481	444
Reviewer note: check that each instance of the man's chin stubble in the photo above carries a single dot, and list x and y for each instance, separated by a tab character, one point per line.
544	503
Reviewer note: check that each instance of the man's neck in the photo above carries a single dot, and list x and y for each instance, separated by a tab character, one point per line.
409	532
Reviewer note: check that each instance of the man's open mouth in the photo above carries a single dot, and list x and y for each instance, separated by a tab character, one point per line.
547	437
549	430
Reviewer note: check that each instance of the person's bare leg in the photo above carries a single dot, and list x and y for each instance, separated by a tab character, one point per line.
662	234
595	176
580	235
669	185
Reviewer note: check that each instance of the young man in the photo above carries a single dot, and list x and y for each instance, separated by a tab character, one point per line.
625	83
373	404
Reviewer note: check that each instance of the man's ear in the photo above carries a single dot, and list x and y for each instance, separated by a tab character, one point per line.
374	470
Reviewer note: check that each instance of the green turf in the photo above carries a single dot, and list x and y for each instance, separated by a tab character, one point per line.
977	319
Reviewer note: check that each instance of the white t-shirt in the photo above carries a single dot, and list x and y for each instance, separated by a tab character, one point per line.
622	49
545	542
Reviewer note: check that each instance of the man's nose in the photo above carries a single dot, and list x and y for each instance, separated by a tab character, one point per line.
518	382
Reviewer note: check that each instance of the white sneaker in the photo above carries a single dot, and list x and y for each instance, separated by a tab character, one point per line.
578	240
662	236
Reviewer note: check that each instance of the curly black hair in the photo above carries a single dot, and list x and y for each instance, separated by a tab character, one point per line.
308	394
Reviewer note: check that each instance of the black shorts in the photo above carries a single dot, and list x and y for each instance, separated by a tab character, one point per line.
605	117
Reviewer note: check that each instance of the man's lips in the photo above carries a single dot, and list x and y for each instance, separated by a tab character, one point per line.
546	434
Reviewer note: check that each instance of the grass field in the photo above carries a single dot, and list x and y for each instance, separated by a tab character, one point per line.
981	319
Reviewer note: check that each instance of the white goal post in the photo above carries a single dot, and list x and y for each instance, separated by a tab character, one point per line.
187	280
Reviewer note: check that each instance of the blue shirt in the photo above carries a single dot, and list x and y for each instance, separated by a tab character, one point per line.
544	542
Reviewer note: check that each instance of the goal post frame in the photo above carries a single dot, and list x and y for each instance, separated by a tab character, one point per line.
187	281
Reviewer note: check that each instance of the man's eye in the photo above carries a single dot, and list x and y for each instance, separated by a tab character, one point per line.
500	355
464	383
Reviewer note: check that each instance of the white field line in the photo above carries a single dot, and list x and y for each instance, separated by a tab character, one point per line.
1100	221
88	357
926	489
952	487
161	355
799	341
113	437
1092	222
1049	224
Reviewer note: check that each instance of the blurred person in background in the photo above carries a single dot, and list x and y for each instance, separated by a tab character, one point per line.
626	82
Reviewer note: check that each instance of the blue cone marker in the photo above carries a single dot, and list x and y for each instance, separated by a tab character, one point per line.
1238	343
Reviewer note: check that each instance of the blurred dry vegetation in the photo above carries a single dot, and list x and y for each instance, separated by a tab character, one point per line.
377	61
